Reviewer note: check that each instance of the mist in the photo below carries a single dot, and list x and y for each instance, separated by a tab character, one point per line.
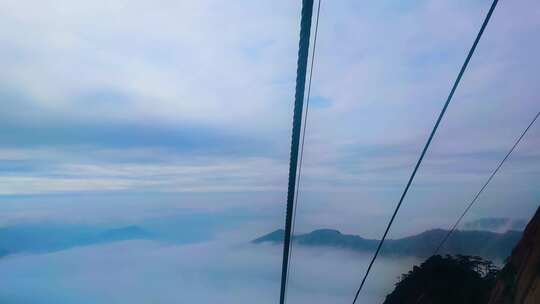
216	271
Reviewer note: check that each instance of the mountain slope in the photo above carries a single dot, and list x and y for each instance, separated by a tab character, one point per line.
483	243
519	281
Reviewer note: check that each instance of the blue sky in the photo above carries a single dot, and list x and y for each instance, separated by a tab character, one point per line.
102	99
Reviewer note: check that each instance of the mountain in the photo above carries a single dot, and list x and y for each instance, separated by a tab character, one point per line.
519	280
273	237
123	234
483	243
471	279
50	238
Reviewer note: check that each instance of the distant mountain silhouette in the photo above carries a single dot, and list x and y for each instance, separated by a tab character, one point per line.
122	234
482	243
50	238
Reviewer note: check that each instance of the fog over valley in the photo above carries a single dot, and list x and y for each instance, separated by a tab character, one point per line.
178	253
142	271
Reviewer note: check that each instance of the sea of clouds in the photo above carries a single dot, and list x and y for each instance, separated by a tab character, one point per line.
217	271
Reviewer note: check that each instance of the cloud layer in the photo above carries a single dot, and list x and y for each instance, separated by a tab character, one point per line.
203	273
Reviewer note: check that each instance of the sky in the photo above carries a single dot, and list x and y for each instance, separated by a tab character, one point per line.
196	97
121	111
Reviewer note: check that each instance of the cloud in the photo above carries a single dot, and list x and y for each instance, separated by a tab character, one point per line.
137	170
205	273
175	62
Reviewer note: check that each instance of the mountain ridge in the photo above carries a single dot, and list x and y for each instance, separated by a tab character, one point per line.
53	238
468	242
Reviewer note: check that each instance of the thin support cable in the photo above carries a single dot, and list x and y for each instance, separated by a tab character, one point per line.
453	228
452	91
303	52
302	143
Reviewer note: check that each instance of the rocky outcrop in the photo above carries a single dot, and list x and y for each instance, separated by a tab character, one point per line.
519	281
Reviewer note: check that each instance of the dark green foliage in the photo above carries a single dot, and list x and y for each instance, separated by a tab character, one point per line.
446	280
509	275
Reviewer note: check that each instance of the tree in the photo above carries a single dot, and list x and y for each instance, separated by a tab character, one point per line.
446	280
